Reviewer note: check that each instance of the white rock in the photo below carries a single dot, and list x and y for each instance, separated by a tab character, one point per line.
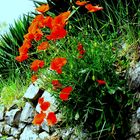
33	92
27	113
7	129
28	134
21	126
138	113
15	132
1	127
11	138
44	136
2	109
134	77
0	135
44	126
12	117
66	133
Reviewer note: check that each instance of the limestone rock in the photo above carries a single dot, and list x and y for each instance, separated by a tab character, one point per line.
44	136
134	77
44	126
33	93
138	113
2	109
12	117
27	113
11	138
1	127
135	126
7	129
15	132
0	135
28	134
36	128
21	126
66	133
55	136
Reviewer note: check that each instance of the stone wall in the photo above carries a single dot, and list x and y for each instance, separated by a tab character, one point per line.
16	123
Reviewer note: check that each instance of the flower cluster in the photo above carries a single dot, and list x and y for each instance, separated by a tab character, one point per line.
89	6
39	118
56	26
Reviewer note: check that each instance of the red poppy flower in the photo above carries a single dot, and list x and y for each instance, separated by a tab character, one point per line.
92	8
64	94
57	64
43	46
36	64
80	47
48	22
57	33
44	106
40	100
22	57
38	35
39	118
23	50
80	56
34	78
81	3
43	8
51	118
29	36
39	18
101	82
56	84
61	20
33	27
81	50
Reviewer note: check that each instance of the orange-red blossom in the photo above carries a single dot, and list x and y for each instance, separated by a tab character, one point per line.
36	64
65	92
57	64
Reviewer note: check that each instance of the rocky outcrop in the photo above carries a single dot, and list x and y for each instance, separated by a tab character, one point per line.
134	77
16	123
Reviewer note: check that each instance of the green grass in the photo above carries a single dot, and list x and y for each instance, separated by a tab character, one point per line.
12	91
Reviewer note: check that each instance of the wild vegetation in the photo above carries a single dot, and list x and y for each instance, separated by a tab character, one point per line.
81	56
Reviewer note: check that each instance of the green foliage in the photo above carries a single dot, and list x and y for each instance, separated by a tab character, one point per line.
9	44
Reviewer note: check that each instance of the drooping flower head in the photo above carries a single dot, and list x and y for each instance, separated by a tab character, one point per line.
43	8
81	3
92	8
